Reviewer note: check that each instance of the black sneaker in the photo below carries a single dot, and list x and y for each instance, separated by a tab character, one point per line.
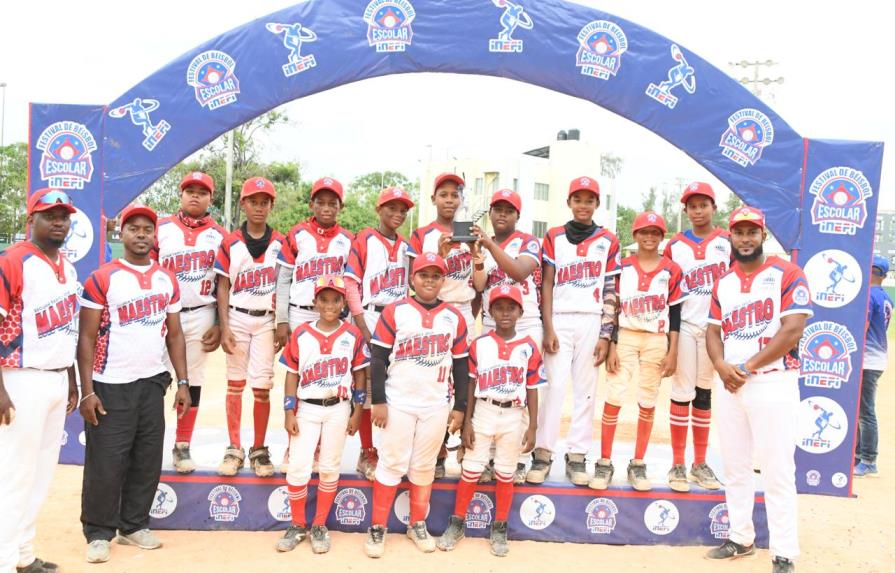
498	540
783	565
456	530
39	566
730	550
290	540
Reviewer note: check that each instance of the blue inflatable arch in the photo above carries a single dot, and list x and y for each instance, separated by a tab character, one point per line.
814	193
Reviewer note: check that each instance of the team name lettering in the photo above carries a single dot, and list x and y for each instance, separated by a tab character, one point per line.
752	314
143	308
188	262
459	263
501	376
394	278
704	276
323	370
579	271
426	345
56	316
257	278
312	269
646	304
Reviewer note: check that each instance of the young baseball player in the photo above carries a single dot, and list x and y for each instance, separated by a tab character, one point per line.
376	275
579	302
703	254
505	369
326	362
879	313
511	257
130	313
39	310
435	237
246	265
757	315
186	244
644	345
419	361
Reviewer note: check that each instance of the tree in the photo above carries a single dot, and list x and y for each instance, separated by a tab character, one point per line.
722	215
623	224
360	199
671	207
13	188
649	202
611	165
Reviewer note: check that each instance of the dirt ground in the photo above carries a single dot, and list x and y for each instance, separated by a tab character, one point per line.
836	534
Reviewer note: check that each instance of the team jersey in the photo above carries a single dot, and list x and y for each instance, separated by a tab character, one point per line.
423	346
457	286
39	306
324	361
517	245
701	263
379	266
505	370
645	297
311	252
581	269
748	308
879	313
253	282
189	253
135	302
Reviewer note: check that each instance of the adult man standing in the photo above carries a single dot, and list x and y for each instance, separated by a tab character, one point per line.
756	318
131	310
39	309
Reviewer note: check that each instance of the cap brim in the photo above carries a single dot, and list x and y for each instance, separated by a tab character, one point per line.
41	207
317	291
650	226
404	200
199	182
441	268
503	297
688	195
449	177
588	189
140	211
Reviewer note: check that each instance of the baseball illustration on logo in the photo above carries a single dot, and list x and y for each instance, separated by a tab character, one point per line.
601	514
479	512
224	503
823	425
812	478
66	161
600	47
165	502
835	278
350	506
278	504
537	512
661	517
840	200
720	521
389	24
825	351
748	132
212	75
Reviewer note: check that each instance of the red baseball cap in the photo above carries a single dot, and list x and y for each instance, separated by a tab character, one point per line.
509	196
427	260
649	219
509	292
197	178
48	198
445	177
255	185
746	214
698	188
333	282
134	210
394	194
585	184
328	184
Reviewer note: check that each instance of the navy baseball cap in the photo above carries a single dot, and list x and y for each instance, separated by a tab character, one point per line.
882	263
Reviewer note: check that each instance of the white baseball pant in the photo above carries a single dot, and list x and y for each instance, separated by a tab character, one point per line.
324	425
761	419
409	444
298	316
578	334
694	367
29	452
500	427
254	356
195	323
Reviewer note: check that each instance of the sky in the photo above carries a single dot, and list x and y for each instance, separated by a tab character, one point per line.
837	83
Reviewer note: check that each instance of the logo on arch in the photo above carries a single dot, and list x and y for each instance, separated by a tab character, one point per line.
514	16
66	161
840	201
680	75
294	36
138	111
825	352
748	132
389	26
212	75
601	44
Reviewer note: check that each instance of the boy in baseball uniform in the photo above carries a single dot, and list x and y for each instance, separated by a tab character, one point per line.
246	267
419	362
644	346
376	275
703	254
326	363
38	335
187	244
579	302
758	312
505	369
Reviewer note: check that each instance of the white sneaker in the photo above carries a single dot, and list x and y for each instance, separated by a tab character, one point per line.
144	539
418	533
98	551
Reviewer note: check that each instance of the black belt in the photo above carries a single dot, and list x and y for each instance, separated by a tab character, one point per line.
303	307
325	402
192	308
376	307
507	404
252	312
57	370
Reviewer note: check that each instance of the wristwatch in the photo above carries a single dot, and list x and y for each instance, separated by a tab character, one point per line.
183	382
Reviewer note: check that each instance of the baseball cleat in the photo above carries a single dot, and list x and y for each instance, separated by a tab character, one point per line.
440	470
864	469
374	546
677	478
456	530
38	566
294	535
730	550
487	473
603	471
259	458
144	539
183	463
703	475
234	458
519	474
98	551
498	539
320	541
367	462
637	476
576	469
783	565
418	533
541	461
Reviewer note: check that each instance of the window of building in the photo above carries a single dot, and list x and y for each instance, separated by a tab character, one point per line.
515	185
542	192
879	223
479	185
538	228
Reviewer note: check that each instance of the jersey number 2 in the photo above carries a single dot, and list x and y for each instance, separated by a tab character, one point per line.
205	288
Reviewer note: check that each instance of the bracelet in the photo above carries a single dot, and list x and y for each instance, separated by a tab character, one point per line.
183	382
81	401
742	366
290	403
359	396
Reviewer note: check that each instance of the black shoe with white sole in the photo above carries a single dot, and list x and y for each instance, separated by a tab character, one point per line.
730	550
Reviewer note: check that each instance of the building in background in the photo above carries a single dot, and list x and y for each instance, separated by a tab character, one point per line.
885	235
541	177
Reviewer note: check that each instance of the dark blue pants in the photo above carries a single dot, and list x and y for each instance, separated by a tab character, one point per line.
868	430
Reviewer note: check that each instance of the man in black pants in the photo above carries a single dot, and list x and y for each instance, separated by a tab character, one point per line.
130	311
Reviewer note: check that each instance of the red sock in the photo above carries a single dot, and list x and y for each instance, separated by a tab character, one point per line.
366	430
607	434
465	490
644	429
298	494
702	419
234	410
185	425
419	501
503	494
326	493
680	421
261	413
383	497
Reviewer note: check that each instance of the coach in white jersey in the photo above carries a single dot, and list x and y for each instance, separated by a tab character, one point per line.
186	244
757	315
131	311
38	334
